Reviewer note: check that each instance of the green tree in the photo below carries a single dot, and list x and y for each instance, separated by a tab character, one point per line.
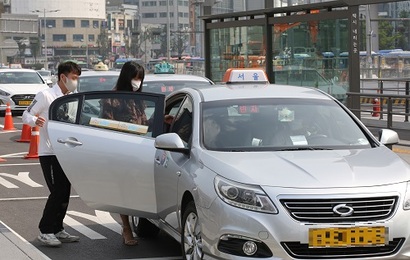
386	38
179	42
403	37
35	47
103	43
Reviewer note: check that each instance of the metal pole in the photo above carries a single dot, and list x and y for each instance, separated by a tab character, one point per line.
381	100
86	49
168	33
45	40
406	117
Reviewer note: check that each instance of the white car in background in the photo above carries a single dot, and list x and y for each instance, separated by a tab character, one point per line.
48	77
18	88
153	83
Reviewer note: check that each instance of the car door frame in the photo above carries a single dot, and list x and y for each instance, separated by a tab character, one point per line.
108	190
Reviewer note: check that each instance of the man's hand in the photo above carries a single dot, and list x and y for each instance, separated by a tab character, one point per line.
40	121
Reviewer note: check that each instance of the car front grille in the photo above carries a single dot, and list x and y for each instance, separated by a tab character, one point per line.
322	210
302	251
22	97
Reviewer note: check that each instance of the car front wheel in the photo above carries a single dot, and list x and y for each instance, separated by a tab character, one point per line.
191	239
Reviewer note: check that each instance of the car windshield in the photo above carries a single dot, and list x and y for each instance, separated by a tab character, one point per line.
45	73
20	77
166	87
279	124
97	83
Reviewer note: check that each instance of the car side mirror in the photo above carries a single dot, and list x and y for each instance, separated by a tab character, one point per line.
171	142
388	137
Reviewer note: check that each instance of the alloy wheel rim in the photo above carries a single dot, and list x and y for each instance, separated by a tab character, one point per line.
192	238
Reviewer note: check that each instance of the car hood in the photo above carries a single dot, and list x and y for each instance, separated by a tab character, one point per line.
311	169
23	88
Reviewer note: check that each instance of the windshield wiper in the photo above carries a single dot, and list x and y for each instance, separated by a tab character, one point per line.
309	148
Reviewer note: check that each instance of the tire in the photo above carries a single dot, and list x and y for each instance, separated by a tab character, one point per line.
144	228
191	239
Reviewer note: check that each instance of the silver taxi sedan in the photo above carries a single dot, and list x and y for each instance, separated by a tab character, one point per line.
243	172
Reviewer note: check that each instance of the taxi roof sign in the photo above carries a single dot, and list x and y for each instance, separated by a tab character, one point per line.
164	68
235	75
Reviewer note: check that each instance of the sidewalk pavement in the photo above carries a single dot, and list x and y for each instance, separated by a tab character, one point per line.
15	247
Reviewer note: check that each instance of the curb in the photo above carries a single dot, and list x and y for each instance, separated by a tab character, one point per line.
13	246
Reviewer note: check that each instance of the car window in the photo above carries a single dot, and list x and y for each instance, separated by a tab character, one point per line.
182	124
166	87
97	83
44	73
20	77
278	124
140	114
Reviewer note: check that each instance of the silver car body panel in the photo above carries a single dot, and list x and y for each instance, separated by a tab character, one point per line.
126	174
311	169
108	183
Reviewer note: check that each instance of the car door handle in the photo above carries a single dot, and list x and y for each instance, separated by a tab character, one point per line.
70	142
157	161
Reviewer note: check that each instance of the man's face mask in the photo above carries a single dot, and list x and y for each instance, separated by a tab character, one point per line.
70	84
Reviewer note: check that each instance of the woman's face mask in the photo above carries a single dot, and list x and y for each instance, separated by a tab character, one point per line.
135	84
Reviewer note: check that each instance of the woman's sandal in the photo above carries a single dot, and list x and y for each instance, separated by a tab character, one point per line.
128	237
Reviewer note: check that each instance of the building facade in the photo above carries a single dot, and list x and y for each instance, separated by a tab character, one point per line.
66	33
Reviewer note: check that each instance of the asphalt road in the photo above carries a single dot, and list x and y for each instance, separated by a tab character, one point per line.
23	194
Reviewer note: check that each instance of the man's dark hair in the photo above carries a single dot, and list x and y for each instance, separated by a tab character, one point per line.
67	67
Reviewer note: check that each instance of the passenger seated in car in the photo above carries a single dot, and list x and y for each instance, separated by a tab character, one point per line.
211	130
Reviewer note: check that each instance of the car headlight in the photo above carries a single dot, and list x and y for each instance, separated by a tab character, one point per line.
406	203
249	197
4	93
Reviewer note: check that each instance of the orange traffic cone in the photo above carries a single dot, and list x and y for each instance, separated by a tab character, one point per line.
8	119
35	139
25	134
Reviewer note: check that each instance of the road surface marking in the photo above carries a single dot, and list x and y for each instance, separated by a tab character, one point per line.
31	198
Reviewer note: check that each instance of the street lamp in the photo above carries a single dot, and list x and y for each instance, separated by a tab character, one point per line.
45	31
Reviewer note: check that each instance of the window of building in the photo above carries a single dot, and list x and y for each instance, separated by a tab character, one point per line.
78	37
149	3
91	37
50	23
120	24
164	3
69	23
162	15
131	2
96	24
78	52
59	38
58	52
149	15
128	24
85	23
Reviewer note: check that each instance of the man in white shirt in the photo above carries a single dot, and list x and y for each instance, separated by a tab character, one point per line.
52	232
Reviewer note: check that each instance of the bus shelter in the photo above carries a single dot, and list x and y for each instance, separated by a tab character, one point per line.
313	45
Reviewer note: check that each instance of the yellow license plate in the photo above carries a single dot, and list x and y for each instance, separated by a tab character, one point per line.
24	102
348	237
